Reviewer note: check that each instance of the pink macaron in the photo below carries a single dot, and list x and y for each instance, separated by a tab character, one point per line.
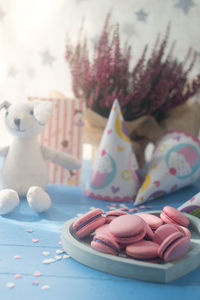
149	233
88	222
105	244
174	246
128	229
153	221
103	230
171	215
163	232
146	251
111	215
184	230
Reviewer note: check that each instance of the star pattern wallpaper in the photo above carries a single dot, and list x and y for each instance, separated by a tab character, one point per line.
33	37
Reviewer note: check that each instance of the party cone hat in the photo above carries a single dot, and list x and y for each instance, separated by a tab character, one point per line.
115	175
174	165
192	206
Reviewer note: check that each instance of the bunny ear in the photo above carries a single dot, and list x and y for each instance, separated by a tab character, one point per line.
42	111
4	104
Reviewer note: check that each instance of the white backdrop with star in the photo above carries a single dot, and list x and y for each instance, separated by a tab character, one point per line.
33	37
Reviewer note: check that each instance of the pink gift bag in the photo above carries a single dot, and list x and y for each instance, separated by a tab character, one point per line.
64	131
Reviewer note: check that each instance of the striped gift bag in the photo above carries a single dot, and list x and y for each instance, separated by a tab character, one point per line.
64	131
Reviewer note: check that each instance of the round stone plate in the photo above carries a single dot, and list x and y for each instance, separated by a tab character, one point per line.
80	250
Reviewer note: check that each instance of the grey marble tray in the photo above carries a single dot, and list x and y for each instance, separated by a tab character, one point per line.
80	250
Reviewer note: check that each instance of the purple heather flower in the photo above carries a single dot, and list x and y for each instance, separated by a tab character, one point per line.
153	86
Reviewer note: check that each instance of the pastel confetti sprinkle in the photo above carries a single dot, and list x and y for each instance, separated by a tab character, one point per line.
60	243
17	276
45	287
124	208
35	282
92	207
142	206
79	215
37	274
48	260
60	251
58	257
133	209
29	230
46	253
35	240
111	207
10	285
17	257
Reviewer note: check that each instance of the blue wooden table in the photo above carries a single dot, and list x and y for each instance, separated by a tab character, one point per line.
26	237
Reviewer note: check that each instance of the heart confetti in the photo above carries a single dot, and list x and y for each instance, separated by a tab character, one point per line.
45	287
48	261
60	251
133	209
115	189
10	285
17	276
58	257
35	240
35	282
37	274
92	207
46	253
78	214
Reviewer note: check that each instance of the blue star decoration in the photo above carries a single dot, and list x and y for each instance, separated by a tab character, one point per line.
185	5
141	15
47	58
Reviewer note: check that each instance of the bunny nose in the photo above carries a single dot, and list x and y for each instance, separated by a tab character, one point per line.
17	122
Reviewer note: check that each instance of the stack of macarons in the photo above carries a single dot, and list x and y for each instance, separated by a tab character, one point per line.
144	237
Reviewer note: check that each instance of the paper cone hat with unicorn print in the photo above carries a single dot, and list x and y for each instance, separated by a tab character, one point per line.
174	165
115	174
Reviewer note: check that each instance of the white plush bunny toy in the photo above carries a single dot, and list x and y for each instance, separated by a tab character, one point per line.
24	171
